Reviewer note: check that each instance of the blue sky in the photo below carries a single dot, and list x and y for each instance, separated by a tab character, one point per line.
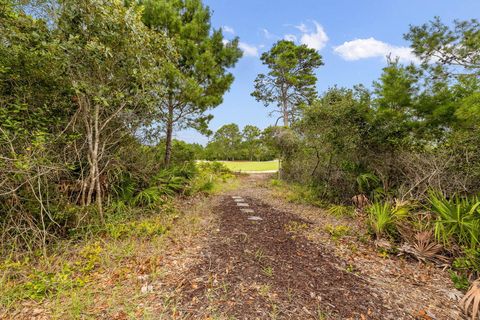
353	36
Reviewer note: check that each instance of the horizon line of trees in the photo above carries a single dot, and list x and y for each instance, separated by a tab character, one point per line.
229	143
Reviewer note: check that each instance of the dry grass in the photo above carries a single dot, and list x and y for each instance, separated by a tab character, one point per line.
126	279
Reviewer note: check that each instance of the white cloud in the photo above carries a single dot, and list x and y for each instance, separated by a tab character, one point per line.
371	48
267	34
316	39
302	27
290	37
228	29
248	50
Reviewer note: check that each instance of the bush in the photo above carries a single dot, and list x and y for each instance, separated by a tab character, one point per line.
457	219
383	218
208	174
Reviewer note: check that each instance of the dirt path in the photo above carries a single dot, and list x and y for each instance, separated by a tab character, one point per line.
272	269
258	269
216	263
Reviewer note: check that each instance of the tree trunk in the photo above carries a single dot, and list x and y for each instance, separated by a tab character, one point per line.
92	127
285	107
98	188
285	115
169	135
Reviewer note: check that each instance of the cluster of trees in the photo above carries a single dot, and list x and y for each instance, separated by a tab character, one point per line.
83	86
416	129
414	136
228	143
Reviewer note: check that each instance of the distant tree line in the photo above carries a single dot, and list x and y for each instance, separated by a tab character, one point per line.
229	143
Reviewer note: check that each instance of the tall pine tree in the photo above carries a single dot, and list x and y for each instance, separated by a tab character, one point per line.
198	79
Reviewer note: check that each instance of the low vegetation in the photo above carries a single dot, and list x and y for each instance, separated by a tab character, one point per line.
403	153
91	93
72	263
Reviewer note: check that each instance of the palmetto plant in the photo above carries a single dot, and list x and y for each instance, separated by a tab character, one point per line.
457	219
366	182
472	299
172	181
148	197
423	247
383	217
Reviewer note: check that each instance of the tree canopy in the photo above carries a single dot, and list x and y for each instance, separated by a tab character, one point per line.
199	77
291	80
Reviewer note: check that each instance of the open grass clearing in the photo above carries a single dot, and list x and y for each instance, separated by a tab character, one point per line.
240	166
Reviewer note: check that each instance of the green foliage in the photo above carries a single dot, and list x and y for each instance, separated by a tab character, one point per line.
84	93
383	218
367	182
460	281
145	229
150	197
209	175
291	79
469	261
39	284
197	80
298	193
341	211
306	195
228	143
452	50
276	183
337	232
457	219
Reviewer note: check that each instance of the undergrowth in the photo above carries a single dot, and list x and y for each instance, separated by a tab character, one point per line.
73	262
454	222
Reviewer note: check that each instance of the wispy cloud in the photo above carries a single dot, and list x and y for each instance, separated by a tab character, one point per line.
316	39
248	49
313	37
371	48
302	27
267	34
290	37
228	29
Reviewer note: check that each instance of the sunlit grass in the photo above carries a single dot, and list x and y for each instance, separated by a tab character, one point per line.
237	166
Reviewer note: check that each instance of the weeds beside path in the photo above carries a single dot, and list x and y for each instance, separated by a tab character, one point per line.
214	263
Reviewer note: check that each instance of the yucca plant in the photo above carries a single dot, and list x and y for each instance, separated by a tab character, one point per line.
457	219
383	217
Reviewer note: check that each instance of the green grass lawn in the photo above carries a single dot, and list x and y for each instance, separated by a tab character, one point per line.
251	165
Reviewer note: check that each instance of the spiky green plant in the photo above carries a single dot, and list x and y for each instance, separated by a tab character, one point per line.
148	197
123	186
341	211
366	182
457	219
383	217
